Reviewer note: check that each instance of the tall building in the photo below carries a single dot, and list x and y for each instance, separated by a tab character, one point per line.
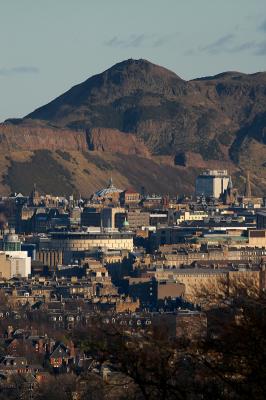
91	216
212	183
14	264
112	217
261	220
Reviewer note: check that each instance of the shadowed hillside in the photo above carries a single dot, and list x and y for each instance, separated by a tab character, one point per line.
157	129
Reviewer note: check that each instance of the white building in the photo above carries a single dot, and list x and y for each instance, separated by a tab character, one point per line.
190	216
20	263
212	183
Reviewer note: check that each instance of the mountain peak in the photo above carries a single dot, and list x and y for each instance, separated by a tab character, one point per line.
140	110
145	66
124	79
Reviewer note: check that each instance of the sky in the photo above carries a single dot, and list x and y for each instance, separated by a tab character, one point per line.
47	46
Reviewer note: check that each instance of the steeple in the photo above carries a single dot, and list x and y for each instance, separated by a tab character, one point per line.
34	196
110	183
230	184
230	194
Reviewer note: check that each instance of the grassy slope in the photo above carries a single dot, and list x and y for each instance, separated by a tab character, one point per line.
75	172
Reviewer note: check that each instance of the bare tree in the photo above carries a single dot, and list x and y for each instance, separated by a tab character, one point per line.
227	363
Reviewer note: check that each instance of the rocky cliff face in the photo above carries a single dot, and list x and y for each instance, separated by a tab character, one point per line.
30	137
145	111
114	141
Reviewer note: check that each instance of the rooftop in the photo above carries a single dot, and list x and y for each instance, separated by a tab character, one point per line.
108	190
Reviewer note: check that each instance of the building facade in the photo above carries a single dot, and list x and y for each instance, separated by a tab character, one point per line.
212	183
84	241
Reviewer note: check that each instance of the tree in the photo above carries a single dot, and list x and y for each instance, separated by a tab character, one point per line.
234	352
61	387
227	363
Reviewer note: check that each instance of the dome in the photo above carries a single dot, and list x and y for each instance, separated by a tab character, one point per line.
11	238
125	223
108	190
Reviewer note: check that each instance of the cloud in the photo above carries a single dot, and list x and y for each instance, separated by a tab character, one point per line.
219	45
257	48
262	27
138	40
23	69
226	44
163	39
131	41
242	47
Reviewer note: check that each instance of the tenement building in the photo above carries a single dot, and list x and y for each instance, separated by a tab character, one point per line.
214	280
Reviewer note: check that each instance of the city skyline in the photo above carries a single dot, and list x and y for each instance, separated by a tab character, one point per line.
132	199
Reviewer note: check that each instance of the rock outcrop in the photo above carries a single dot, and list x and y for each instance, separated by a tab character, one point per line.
114	141
32	137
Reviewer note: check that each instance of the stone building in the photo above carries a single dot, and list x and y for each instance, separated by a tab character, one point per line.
129	197
72	243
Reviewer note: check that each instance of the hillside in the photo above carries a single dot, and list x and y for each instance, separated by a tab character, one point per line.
150	126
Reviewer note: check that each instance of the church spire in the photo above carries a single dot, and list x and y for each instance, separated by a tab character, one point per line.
110	181
230	183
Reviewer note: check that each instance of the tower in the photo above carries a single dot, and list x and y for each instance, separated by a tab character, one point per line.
11	241
230	194
35	196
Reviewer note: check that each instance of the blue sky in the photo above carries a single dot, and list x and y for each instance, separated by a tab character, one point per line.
47	46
